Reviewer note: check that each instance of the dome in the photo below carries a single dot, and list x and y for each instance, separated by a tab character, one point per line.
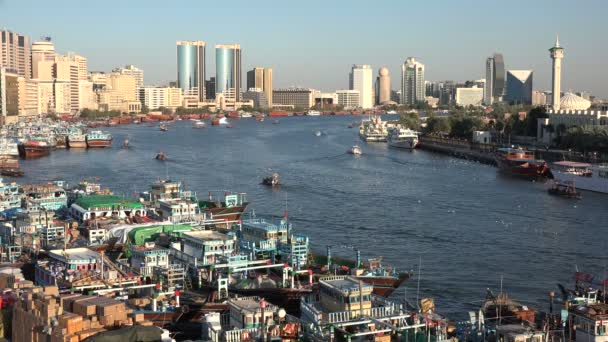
573	102
383	71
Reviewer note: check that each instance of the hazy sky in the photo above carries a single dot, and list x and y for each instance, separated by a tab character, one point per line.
313	43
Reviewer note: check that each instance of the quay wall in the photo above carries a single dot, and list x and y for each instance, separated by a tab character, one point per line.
483	153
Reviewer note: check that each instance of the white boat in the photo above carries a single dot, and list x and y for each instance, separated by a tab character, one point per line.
373	130
313	113
223	121
198	124
246	115
355	150
401	137
9	148
391	112
589	177
318	133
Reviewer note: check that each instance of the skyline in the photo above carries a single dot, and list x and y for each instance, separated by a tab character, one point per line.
316	49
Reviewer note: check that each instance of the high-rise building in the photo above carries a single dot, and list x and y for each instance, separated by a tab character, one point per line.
156	97
137	74
495	79
519	87
299	98
261	78
361	79
191	67
412	82
67	70
257	96
228	72
15	55
43	57
384	86
557	54
349	99
210	89
469	96
120	94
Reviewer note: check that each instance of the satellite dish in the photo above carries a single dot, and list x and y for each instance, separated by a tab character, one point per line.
282	313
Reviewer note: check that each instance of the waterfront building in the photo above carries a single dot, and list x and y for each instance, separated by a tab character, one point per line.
43	55
349	99
257	96
361	79
120	94
9	96
145	258
261	78
301	98
136	73
557	54
495	79
519	87
99	79
87	98
206	247
325	100
92	207
412	82
228	71
66	69
384	86
156	97
15	55
469	96
191	67
43	197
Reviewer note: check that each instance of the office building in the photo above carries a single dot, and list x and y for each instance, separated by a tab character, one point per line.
384	86
43	57
412	82
495	79
228	72
156	97
137	74
557	54
325	100
210	89
99	79
261	78
66	69
349	99
539	98
15	55
519	87
257	96
120	94
469	96
299	98
191	67
87	98
361	79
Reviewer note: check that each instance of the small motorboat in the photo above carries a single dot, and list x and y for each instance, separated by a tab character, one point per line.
565	189
161	156
318	133
164	128
198	124
125	144
355	150
272	180
12	172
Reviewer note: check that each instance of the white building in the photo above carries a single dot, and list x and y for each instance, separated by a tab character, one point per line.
361	79
156	97
469	96
412	82
86	96
349	99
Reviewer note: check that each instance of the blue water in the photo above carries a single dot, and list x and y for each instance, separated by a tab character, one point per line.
469	225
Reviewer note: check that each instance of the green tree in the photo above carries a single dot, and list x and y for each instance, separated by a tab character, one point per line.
410	120
145	109
531	121
438	125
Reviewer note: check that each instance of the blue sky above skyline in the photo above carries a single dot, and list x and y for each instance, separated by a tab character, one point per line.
314	43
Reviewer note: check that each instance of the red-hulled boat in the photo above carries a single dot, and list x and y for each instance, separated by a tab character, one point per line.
519	162
227	206
34	149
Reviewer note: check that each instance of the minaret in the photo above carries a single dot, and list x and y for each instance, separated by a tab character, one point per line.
557	53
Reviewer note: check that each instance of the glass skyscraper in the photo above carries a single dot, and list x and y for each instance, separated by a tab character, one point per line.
191	67
228	71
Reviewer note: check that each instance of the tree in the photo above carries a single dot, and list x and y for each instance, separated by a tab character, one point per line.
410	120
464	126
145	109
438	125
531	121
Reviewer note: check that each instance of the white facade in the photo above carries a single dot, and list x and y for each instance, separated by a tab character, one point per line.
350	99
469	96
557	54
361	79
156	97
86	95
412	82
42	51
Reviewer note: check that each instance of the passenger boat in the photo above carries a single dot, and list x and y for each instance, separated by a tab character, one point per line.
565	189
98	139
589	177
226	205
373	130
77	140
355	150
519	162
401	137
34	149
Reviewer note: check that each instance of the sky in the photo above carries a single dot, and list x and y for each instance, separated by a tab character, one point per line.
314	43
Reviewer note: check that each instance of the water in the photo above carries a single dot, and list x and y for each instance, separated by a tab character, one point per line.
468	224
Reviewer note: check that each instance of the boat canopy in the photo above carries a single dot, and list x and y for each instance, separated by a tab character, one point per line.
573	164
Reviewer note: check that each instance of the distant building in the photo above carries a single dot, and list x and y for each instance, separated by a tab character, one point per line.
539	98
325	100
412	82
15	55
257	96
519	87
261	78
120	94
228	71
210	89
557	54
469	96
297	97
349	99
18	96
396	96
156	97
137	74
447	93
361	79
384	86
191	67
495	79
43	56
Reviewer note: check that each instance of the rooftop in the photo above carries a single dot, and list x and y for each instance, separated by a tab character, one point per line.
343	283
104	201
73	254
207	235
261	224
250	304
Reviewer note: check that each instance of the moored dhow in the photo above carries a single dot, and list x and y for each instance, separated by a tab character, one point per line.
522	163
98	139
31	149
77	140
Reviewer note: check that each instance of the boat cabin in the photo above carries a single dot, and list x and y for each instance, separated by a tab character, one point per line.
145	258
256	230
246	312
44	197
177	210
205	247
516	153
573	168
591	322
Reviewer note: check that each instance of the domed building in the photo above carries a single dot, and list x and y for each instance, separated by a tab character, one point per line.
571	101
